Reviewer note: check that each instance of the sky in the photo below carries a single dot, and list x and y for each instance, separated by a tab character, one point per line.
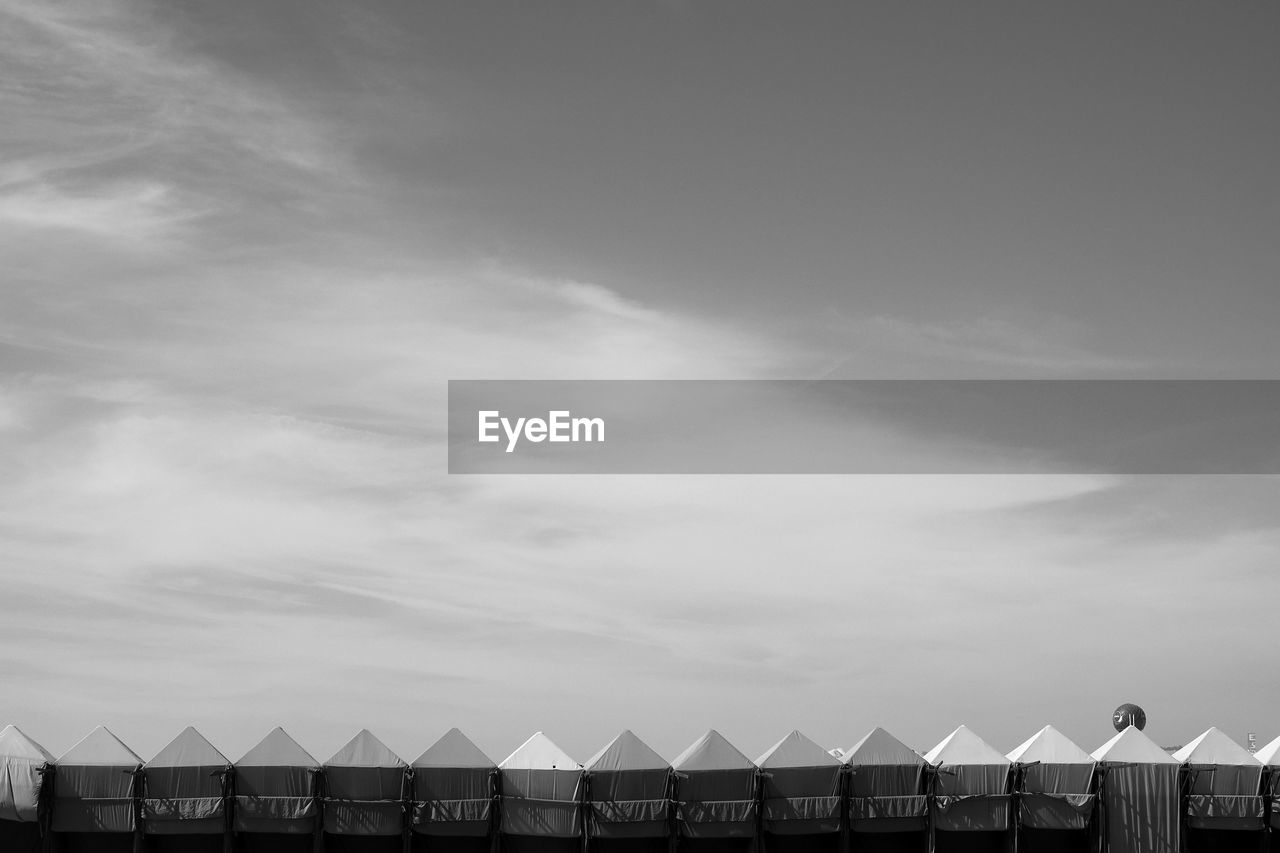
245	246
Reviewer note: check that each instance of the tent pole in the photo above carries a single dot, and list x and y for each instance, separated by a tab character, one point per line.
584	802
137	789
228	839
406	810
845	776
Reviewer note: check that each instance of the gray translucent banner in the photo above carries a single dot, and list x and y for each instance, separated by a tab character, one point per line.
864	427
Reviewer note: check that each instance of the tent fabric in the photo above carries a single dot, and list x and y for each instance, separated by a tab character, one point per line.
715	790
541	791
1269	757
276	785
95	785
1055	782
971	784
24	766
365	789
627	785
184	787
453	788
800	787
887	782
1139	795
1223	783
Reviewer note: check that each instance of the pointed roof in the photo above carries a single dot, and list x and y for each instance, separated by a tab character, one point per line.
100	748
365	750
881	748
1269	754
1131	746
712	752
453	749
14	743
277	749
1214	747
189	749
964	747
627	752
1050	746
796	750
539	752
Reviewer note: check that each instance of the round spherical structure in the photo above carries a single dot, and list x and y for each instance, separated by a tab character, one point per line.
1127	715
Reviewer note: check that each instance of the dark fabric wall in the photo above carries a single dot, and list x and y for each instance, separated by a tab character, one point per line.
19	837
971	842
1056	841
889	842
451	843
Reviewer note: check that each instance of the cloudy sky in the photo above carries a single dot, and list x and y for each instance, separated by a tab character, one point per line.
243	246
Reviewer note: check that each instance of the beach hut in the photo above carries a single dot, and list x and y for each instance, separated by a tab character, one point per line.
888	783
1222	783
184	799
627	796
541	789
93	802
627	793
971	787
26	774
1138	795
277	797
1269	758
366	794
715	796
454	784
1054	792
800	796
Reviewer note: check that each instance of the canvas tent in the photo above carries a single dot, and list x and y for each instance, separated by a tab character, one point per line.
1055	782
1138	793
277	791
970	792
1223	787
541	796
1269	758
184	794
453	789
888	782
715	790
627	793
94	793
26	770
799	788
365	796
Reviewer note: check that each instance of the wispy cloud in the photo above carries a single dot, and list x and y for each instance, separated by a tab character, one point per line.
1031	345
127	132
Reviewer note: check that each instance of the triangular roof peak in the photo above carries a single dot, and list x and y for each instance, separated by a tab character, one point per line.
1134	747
14	743
1050	746
277	749
539	752
1269	754
1214	747
712	752
964	747
100	748
365	750
454	749
878	747
627	752
796	750
189	749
